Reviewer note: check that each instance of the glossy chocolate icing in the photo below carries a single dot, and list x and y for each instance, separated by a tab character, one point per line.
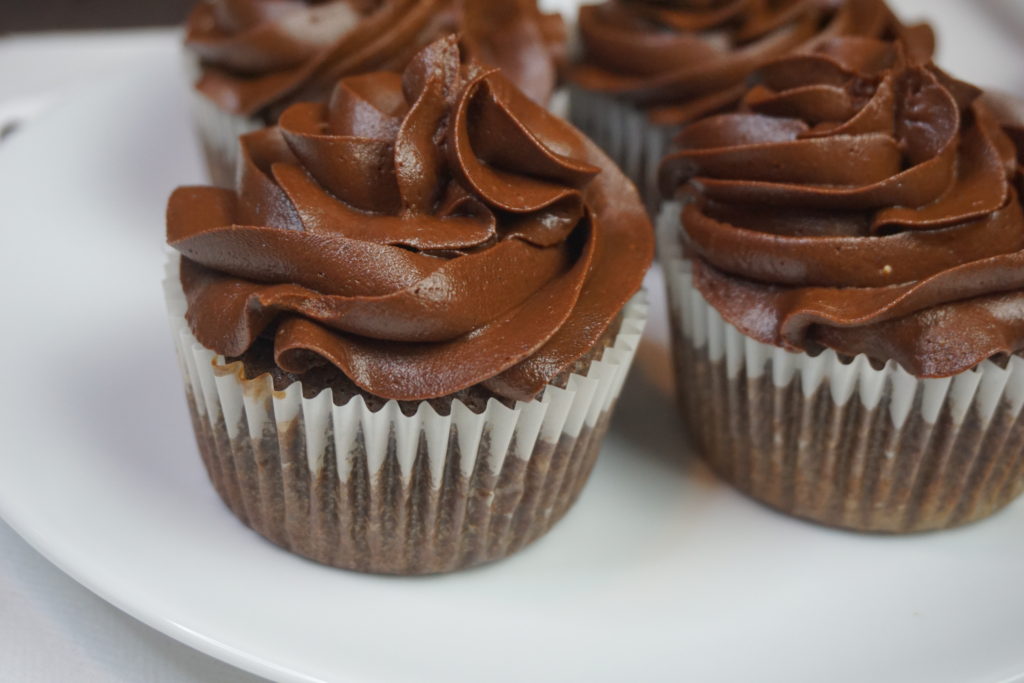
864	201
257	56
683	59
422	233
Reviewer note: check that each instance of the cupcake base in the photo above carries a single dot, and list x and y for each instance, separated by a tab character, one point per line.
846	465
627	135
376	489
842	443
387	521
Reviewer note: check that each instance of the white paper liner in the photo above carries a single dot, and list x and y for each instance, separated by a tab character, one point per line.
627	135
559	103
558	416
982	389
911	455
218	130
218	133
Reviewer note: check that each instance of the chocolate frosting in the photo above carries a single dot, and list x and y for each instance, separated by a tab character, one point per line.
863	201
258	56
684	59
423	233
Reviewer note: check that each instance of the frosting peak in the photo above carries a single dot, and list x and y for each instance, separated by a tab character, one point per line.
259	55
423	233
861	200
684	59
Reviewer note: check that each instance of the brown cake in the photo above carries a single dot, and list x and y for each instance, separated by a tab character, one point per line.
405	329
846	270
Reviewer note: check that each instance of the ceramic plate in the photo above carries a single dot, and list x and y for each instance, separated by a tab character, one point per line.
660	573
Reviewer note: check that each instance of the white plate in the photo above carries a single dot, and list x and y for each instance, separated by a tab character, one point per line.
660	573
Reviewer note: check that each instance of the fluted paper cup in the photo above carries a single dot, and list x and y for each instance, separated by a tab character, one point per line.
836	441
383	491
218	133
627	135
218	130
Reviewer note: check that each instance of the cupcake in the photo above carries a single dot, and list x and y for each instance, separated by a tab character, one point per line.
404	331
251	59
650	66
845	265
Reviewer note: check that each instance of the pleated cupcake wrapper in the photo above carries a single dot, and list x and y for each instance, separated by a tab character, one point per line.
381	491
218	130
842	442
627	135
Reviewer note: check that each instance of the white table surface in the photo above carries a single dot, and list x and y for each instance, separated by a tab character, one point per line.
53	630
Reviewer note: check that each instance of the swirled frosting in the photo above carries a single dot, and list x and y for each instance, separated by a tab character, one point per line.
860	201
684	59
422	233
257	56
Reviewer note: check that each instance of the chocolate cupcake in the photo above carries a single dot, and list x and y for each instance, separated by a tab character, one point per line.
649	67
251	59
847	291
404	332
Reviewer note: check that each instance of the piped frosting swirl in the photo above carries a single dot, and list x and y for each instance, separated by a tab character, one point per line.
861	200
257	56
681	60
422	233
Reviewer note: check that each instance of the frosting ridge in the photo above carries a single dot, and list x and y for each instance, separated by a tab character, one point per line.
423	233
259	55
860	200
683	59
